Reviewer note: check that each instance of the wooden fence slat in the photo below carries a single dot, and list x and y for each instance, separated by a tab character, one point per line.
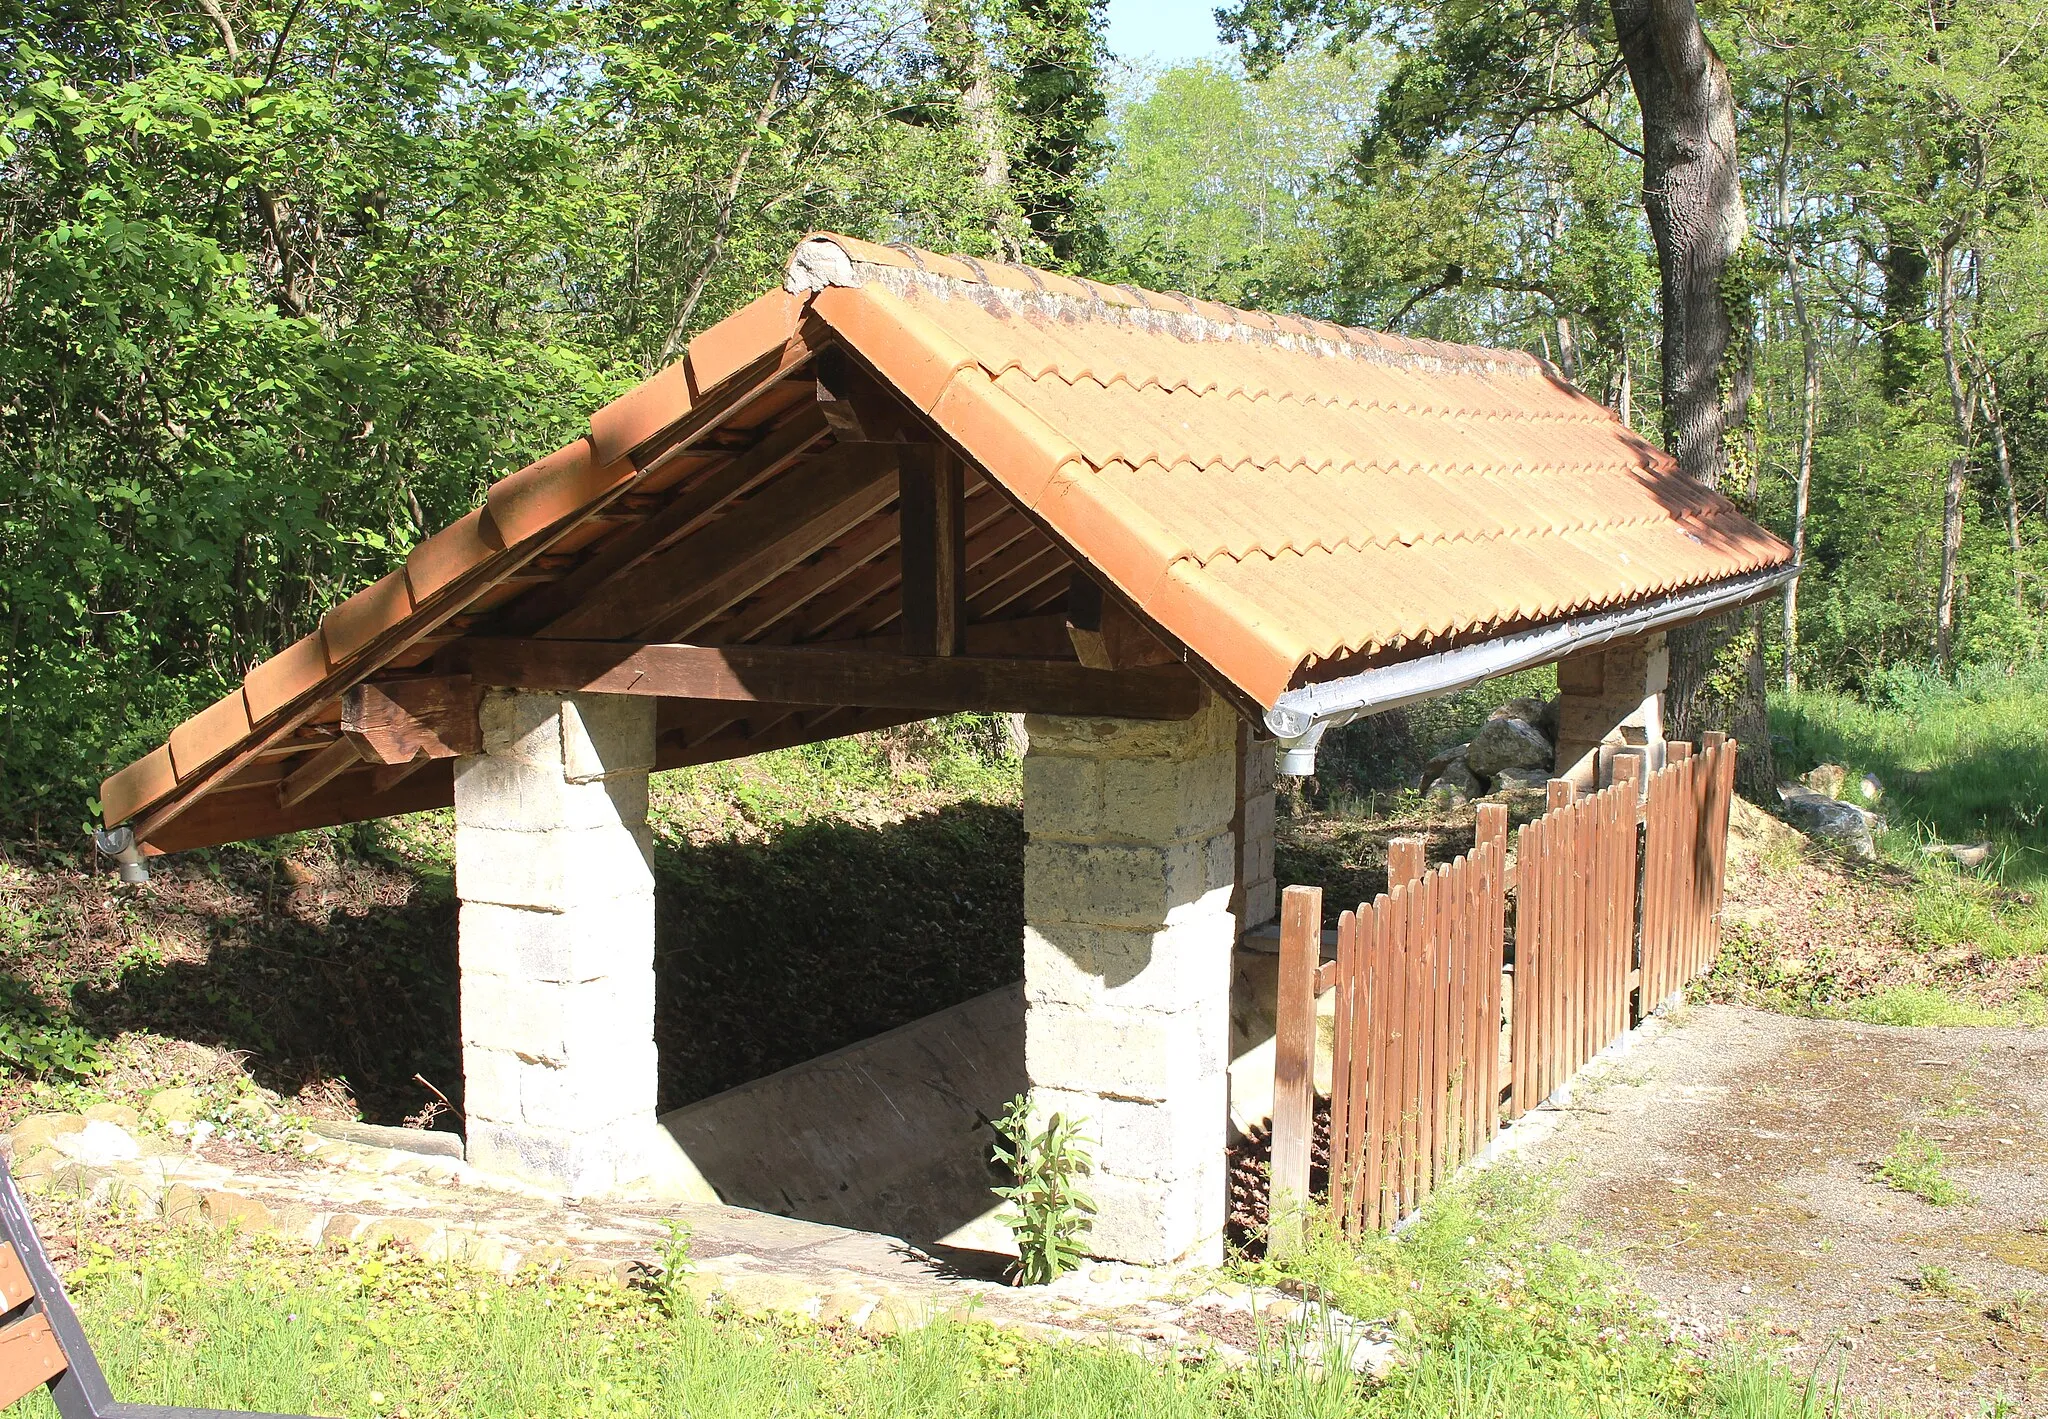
1385	978
1294	1040
1342	1032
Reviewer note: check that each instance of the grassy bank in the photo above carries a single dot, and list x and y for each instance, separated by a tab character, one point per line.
1498	1323
1914	938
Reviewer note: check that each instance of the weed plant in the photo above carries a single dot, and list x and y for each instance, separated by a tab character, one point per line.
1917	1166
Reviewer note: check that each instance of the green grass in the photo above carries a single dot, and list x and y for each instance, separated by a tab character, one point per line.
1917	1166
1963	763
1501	1322
1931	1005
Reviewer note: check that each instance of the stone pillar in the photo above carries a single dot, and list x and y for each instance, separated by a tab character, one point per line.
1129	870
552	868
1258	893
1613	695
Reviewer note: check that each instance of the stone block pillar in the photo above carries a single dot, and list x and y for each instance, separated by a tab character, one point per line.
552	857
1129	871
1613	695
1258	892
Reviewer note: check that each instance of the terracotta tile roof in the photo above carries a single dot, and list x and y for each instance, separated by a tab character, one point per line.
1288	499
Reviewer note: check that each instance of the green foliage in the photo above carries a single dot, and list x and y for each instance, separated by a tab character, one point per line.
1048	1213
1917	1166
36	1041
286	285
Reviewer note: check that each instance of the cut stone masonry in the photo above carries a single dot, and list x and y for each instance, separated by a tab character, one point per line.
557	945
1129	869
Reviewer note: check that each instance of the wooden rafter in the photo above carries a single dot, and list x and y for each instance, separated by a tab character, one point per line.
803	676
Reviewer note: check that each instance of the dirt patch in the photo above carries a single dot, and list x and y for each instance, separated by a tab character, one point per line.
1733	1164
1812	930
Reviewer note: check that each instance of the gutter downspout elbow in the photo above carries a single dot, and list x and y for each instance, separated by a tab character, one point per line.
119	844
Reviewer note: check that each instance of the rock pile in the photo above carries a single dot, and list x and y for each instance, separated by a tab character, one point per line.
1515	749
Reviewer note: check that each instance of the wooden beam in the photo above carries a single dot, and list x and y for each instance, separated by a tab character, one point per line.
801	676
934	551
858	408
1026	637
321	768
398	721
686	511
711	569
992	525
238	815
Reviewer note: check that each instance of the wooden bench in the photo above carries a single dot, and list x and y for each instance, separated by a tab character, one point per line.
41	1342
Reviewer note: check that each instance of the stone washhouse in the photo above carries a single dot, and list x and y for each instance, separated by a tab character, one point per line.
1184	540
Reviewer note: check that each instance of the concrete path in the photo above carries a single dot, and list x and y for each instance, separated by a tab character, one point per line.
1731	1164
888	1135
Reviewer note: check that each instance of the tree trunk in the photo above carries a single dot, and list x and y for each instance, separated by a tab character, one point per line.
1994	415
1795	280
1692	196
1958	467
964	53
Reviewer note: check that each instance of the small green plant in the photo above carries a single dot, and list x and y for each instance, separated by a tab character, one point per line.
1935	1280
1916	1165
36	1041
667	1284
1048	1214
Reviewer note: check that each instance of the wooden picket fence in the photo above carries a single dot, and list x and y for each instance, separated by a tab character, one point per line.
1467	994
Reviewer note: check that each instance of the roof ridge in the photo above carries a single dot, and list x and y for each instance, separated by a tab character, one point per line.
829	259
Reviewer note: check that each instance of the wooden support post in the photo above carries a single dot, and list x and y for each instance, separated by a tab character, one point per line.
933	537
1294	1045
1559	793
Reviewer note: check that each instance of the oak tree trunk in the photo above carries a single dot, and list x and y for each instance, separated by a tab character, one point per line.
1692	196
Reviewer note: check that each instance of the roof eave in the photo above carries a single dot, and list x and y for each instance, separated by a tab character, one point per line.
1300	717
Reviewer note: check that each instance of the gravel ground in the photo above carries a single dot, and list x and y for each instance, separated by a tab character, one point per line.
1729	1163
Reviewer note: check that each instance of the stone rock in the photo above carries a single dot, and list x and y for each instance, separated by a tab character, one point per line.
1871	788
180	1105
183	1205
1442	759
1511	780
99	1144
1455	785
1973	855
432	1142
408	1232
231	1209
1526	708
38	1165
120	1115
1826	779
340	1229
784	1296
1753	832
1830	819
1508	744
41	1131
596	1271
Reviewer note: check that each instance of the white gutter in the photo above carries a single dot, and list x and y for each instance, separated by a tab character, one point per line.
1300	717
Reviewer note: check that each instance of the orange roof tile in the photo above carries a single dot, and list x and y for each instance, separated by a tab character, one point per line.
1281	495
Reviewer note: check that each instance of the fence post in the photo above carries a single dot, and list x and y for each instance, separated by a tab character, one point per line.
1407	859
1294	1064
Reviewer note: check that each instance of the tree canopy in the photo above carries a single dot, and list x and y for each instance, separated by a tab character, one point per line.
285	282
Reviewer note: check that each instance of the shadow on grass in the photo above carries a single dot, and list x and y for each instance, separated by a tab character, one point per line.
1978	788
773	952
768	953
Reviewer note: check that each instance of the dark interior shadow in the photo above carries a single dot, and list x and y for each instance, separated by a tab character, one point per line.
769	953
773	952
